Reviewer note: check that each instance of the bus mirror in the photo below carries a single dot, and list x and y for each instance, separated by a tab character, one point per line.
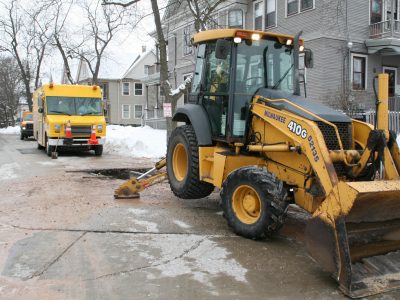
40	110
308	58
222	49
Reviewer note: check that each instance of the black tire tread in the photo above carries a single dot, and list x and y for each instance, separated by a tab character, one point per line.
98	150
194	188
275	193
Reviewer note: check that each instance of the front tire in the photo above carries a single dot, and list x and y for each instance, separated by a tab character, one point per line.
22	137
183	165
254	202
49	149
98	150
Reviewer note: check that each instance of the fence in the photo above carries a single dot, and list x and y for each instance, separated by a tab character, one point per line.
394	119
158	123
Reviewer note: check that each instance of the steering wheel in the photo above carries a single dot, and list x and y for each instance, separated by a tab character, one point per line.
249	85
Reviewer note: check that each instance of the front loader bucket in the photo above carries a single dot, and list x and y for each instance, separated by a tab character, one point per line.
356	237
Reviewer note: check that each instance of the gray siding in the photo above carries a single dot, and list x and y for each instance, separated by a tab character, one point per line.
327	28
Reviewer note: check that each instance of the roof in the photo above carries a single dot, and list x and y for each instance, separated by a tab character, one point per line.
110	69
137	61
210	35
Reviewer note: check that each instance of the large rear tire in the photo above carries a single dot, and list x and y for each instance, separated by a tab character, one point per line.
254	202
183	165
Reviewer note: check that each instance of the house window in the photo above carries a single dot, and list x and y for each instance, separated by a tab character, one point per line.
187	44
258	15
126	111
146	69
295	6
126	88
235	18
270	13
104	88
306	4
138	89
359	75
138	111
376	11
292	7
187	92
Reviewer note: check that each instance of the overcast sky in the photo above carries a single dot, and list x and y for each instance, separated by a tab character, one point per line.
120	53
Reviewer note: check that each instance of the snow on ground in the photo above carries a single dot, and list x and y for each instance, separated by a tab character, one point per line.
136	141
398	140
10	130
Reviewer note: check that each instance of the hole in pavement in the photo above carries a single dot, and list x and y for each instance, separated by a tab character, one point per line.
122	173
28	151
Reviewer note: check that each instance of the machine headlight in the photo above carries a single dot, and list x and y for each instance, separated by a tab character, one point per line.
237	39
255	37
57	127
23	127
100	128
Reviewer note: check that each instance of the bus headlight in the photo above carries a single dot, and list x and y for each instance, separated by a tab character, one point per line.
57	128
100	128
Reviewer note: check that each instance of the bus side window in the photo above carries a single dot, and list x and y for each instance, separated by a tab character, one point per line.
41	104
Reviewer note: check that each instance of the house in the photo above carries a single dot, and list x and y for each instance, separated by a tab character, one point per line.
127	99
352	42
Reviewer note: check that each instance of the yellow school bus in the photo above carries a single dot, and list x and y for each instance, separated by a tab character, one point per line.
65	116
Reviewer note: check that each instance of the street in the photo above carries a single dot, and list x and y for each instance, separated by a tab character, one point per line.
63	236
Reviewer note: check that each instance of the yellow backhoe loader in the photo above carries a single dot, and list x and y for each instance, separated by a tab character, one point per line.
249	132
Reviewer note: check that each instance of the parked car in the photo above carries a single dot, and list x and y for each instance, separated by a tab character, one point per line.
26	125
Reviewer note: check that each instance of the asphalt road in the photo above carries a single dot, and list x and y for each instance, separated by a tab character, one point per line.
63	236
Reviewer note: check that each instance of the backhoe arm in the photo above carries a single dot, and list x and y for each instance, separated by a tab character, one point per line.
131	188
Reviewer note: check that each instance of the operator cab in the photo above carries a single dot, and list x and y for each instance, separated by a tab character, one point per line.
230	69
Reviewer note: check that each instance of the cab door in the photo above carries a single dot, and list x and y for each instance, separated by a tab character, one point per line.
214	91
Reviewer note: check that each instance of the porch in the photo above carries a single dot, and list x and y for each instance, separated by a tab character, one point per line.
385	29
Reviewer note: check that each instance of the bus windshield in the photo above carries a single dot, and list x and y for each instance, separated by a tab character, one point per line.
79	106
28	117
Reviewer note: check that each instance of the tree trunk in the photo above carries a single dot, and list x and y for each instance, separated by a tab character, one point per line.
28	95
164	67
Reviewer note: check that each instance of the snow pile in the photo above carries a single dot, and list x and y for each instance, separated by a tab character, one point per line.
136	141
10	130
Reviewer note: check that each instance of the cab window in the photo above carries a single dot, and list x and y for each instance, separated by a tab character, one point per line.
216	89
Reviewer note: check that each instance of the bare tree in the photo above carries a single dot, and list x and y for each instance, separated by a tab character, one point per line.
23	33
9	89
60	9
201	12
90	41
